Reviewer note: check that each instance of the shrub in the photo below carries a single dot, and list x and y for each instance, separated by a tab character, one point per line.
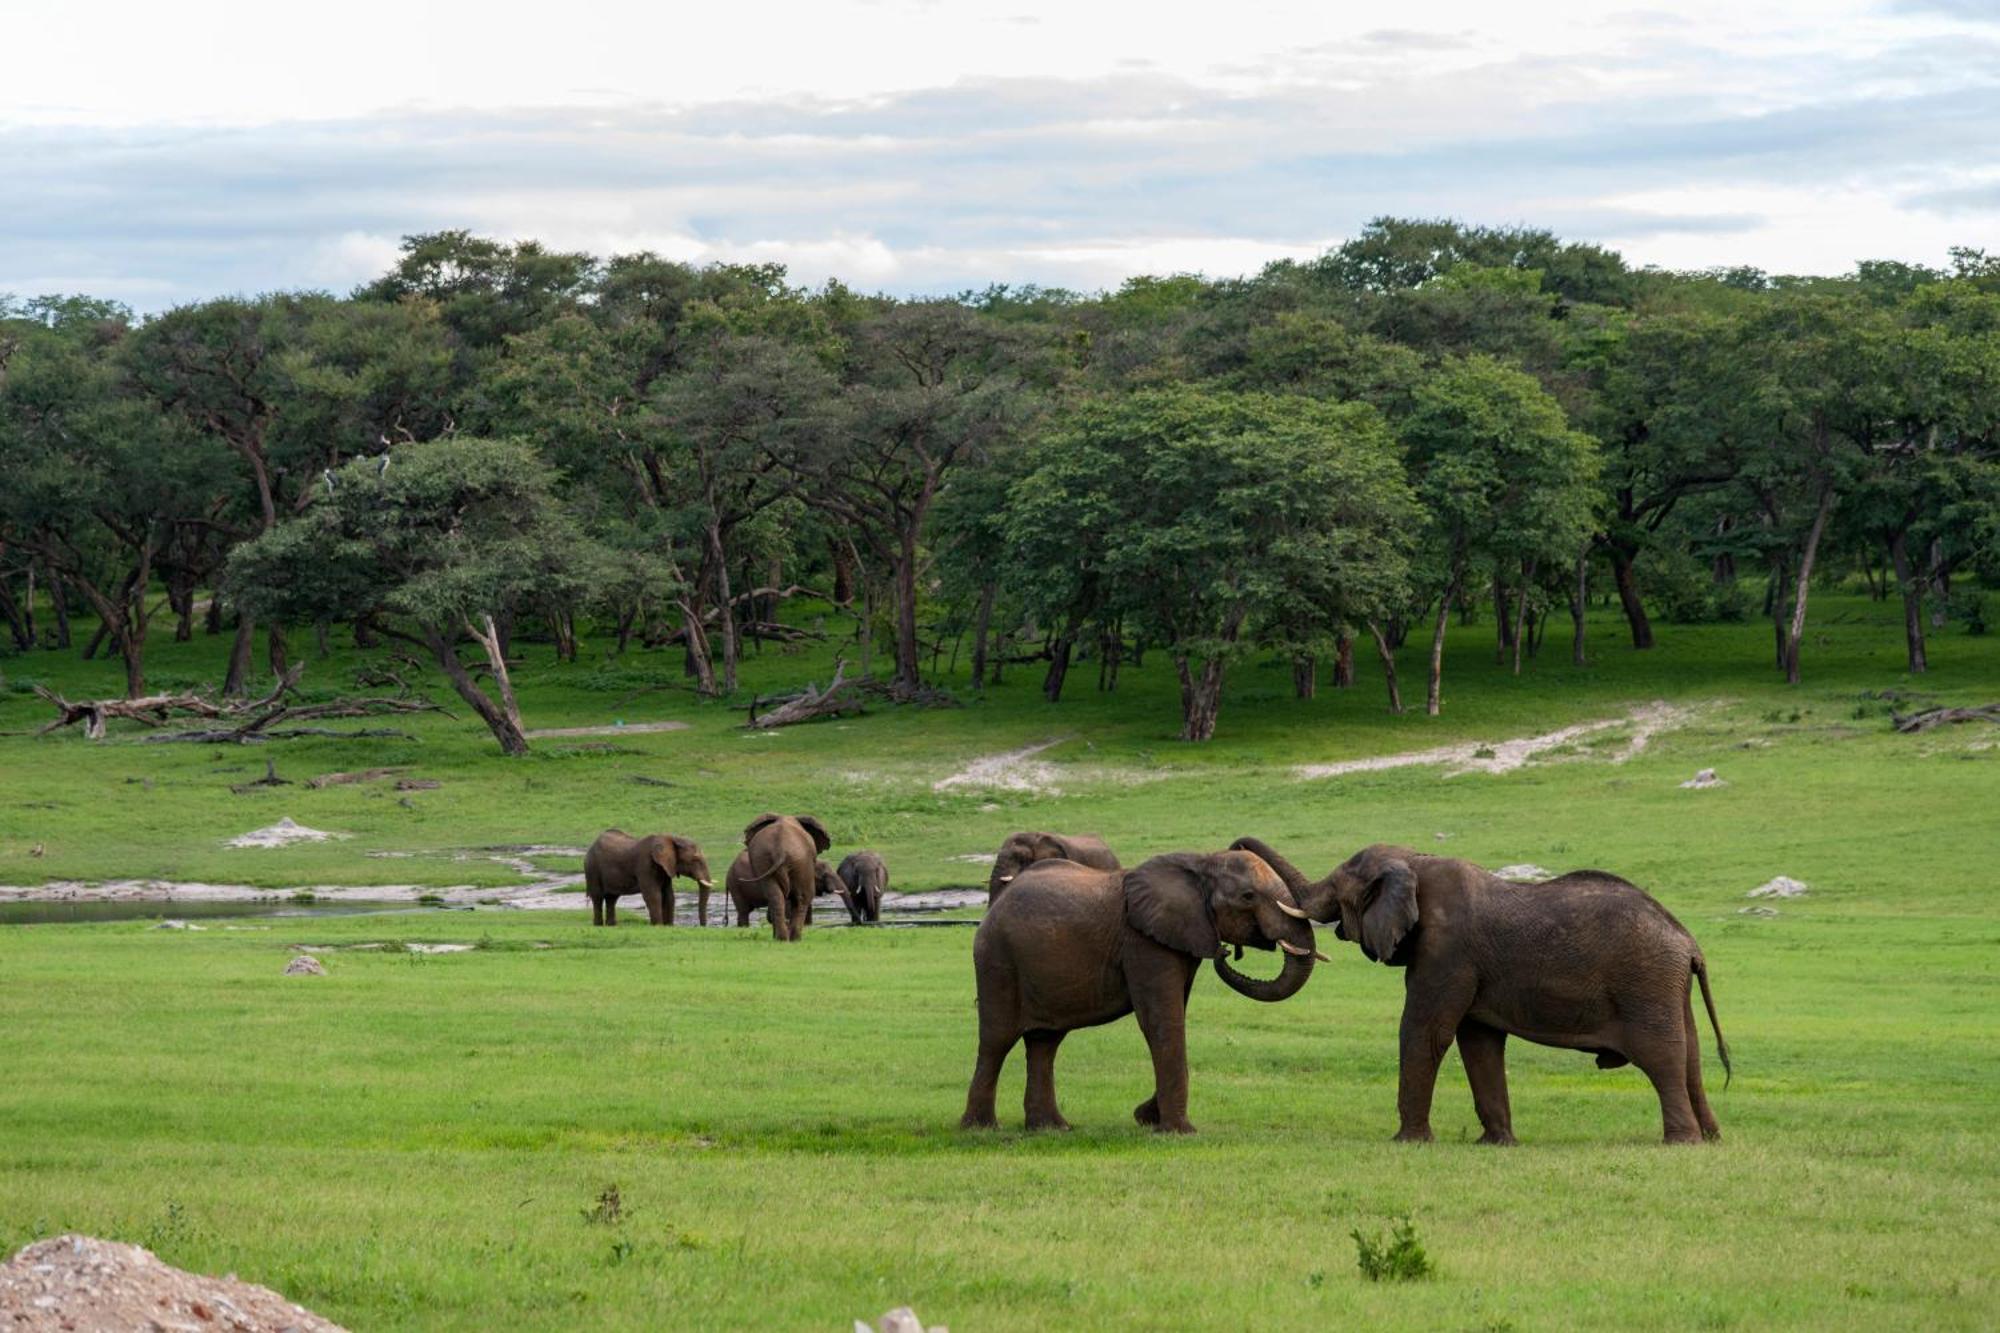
1399	1257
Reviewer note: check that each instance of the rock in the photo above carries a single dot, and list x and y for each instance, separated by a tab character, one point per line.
902	1319
1784	886
305	965
1756	911
82	1282
1526	871
175	923
1704	779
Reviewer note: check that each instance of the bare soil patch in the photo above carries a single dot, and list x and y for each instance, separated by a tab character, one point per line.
80	1282
1013	770
1506	756
612	729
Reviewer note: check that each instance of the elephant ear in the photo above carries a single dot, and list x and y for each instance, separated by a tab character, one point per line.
665	853
684	848
1166	900
758	824
821	838
1049	847
1388	907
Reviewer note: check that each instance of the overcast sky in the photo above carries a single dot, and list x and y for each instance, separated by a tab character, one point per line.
158	153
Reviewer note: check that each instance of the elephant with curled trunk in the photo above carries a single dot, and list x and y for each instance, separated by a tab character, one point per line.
1024	849
1587	961
863	880
618	864
1072	947
780	861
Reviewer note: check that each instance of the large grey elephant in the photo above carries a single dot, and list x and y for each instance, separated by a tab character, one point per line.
863	880
1068	947
1024	849
780	859
618	863
1587	961
748	894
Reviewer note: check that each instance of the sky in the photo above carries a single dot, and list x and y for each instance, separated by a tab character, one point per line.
158	154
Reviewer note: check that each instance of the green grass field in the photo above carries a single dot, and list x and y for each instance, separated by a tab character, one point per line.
415	1141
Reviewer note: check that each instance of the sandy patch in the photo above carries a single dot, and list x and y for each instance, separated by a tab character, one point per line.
613	729
81	1282
1506	756
1784	886
1015	770
281	834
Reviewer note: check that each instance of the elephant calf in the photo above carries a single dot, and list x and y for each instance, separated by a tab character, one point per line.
1071	947
1587	961
618	864
1024	849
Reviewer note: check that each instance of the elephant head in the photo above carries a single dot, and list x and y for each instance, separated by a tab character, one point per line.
675	855
1196	903
825	881
1020	851
1371	897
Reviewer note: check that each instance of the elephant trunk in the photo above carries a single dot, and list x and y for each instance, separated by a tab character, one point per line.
1298	969
1316	899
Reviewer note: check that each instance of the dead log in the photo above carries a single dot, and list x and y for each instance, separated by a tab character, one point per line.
1938	717
838	698
206	737
359	775
270	779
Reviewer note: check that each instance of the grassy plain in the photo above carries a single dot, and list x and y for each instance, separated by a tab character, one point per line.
414	1141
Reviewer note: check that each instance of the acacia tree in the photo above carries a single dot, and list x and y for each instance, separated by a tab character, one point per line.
1210	519
432	551
1503	481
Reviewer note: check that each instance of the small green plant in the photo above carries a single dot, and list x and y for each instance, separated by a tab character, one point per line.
1483	752
621	1250
609	1210
1399	1257
303	896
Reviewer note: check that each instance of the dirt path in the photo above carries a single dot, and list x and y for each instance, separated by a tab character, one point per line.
1506	756
1011	771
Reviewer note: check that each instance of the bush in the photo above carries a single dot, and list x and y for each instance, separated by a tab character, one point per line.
1398	1258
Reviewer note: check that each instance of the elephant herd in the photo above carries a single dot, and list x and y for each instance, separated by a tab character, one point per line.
1071	939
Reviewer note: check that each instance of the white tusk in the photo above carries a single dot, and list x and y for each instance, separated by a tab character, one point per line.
1314	954
1006	879
1290	910
706	883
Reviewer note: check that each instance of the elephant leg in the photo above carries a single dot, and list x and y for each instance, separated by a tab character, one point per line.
1426	1036
1698	1098
596	910
777	909
1657	1043
1040	1102
742	915
1163	1019
997	1035
873	910
701	895
802	909
1484	1051
610	910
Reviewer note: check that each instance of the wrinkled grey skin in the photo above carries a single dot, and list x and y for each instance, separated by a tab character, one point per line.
780	861
1068	947
1024	849
863	879
1587	961
618	864
749	895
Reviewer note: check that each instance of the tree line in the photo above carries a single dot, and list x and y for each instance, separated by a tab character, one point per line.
495	441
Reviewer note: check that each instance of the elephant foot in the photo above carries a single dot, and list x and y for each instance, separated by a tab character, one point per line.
1416	1134
1147	1112
978	1120
1180	1126
1503	1138
1711	1133
1053	1121
1682	1136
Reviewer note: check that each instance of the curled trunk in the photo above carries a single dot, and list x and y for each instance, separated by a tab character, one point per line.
1315	899
1298	970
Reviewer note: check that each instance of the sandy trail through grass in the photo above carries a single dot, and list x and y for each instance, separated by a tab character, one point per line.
1506	756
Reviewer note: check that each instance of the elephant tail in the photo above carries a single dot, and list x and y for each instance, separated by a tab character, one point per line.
1700	968
765	874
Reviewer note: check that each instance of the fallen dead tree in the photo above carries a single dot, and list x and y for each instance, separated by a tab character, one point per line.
250	721
840	698
1938	717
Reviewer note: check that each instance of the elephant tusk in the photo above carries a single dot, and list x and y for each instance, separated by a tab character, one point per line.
1291	911
706	883
1006	879
1313	954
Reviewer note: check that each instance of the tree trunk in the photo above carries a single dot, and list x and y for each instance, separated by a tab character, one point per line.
908	664
236	682
1940	580
695	644
843	572
59	604
505	728
1059	654
1794	639
1628	596
1503	621
982	626
1305	676
1388	656
1912	589
1343	661
274	645
1433	703
1579	603
322	646
132	647
1201	697
364	633
1521	611
22	628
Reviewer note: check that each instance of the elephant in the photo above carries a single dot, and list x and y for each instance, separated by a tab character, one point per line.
780	860
749	894
1024	849
863	881
618	863
1587	961
1070	946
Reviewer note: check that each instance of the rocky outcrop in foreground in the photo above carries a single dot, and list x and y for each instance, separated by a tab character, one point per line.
82	1283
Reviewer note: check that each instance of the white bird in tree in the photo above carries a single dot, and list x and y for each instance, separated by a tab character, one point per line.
328	474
